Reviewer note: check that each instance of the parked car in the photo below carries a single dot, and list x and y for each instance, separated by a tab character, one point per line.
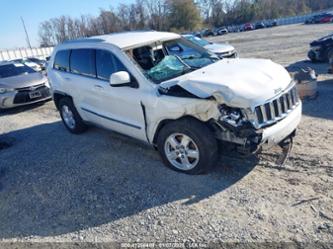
40	62
260	25
183	100
29	63
321	18
248	27
197	34
222	31
233	29
274	23
327	19
21	85
208	32
321	50
223	50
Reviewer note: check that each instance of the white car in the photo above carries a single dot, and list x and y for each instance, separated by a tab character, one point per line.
223	50
166	91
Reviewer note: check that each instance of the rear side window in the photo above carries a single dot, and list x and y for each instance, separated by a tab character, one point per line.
82	62
107	64
61	61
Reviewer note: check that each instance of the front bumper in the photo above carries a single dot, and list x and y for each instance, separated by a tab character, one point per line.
20	98
249	140
228	55
276	133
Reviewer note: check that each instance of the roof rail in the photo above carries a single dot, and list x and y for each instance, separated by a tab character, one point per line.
83	40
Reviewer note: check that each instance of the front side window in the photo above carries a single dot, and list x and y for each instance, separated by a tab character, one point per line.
15	69
61	61
107	64
82	61
195	57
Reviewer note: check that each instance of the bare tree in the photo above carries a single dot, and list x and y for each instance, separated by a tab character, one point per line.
176	15
157	14
46	34
109	21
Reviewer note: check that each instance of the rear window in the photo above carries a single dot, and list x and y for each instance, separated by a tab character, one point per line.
82	61
107	64
61	61
15	69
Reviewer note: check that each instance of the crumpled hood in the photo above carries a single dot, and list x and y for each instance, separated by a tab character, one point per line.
219	47
239	83
24	80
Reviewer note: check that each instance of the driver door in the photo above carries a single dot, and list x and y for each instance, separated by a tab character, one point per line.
119	108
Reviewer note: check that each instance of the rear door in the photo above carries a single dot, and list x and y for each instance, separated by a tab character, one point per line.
82	79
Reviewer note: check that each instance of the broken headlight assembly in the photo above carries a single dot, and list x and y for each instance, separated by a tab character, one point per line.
231	117
237	129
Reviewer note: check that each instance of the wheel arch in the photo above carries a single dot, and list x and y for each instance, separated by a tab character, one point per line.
164	122
57	96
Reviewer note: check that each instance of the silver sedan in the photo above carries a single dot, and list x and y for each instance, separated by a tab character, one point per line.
21	85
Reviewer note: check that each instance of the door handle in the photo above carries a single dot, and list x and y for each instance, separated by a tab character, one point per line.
98	87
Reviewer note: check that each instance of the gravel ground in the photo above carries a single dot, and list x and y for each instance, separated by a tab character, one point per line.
101	186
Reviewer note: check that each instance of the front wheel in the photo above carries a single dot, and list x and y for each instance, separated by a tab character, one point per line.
70	117
330	55
187	146
312	56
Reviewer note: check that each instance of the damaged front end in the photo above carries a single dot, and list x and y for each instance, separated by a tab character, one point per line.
246	124
233	127
230	125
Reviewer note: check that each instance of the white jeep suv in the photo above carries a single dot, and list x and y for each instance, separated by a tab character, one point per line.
167	91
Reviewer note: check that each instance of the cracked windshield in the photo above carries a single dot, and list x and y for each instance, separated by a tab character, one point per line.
171	59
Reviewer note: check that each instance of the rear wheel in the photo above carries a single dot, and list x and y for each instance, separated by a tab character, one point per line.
70	117
187	146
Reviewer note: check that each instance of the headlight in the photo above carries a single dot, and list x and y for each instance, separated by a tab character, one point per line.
47	84
316	48
6	90
232	116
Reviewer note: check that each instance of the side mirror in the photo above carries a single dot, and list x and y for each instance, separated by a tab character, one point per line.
121	78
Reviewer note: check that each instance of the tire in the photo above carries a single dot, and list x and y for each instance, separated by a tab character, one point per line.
312	57
187	146
329	54
70	117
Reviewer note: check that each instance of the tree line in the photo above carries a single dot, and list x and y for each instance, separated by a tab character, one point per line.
172	15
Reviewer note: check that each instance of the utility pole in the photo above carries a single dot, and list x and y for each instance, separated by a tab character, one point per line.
26	33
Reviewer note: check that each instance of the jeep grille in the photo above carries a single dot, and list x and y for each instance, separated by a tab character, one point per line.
277	109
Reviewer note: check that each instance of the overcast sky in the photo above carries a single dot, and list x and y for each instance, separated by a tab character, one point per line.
36	11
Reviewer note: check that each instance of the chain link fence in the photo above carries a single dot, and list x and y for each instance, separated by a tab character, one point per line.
300	19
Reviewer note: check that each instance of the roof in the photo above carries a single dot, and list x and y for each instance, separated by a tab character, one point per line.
2	63
132	39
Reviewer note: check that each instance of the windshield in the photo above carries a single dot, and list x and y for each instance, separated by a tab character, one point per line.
11	70
167	60
197	40
171	66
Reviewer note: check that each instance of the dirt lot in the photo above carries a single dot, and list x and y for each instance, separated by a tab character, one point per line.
102	186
